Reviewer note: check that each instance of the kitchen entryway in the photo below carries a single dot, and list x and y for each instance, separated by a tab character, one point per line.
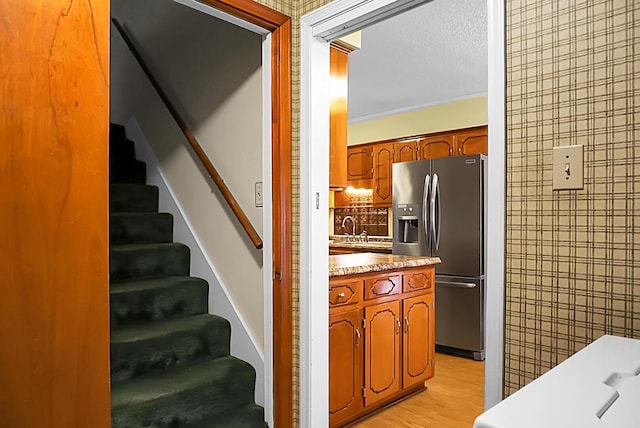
453	399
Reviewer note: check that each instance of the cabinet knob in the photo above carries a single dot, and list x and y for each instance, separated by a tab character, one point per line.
341	295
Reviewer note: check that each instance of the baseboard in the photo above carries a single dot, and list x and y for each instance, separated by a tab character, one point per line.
243	344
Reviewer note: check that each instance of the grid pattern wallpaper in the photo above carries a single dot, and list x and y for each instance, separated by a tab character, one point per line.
573	257
295	9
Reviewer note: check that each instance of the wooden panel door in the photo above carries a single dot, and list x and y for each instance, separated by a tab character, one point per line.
338	66
360	165
345	365
436	147
405	151
382	376
54	255
382	172
418	339
472	142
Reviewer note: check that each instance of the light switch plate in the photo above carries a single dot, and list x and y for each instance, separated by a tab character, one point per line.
568	168
258	196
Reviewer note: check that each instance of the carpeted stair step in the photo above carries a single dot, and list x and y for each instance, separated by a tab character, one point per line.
183	395
121	149
156	299
145	261
133	198
117	133
127	171
140	228
249	416
164	345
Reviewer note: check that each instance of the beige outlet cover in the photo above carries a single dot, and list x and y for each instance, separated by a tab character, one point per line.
568	168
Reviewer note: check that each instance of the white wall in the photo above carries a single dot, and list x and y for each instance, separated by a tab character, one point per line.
212	72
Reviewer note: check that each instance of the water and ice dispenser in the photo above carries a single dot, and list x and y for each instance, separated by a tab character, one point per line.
407	223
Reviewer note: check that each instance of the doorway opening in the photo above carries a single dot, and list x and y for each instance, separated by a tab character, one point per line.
272	152
317	30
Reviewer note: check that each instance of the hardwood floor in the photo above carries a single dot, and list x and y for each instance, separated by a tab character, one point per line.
453	399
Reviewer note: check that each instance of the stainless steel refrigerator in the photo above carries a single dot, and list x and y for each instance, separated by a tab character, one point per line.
438	210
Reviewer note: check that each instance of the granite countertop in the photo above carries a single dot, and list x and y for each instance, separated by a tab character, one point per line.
357	263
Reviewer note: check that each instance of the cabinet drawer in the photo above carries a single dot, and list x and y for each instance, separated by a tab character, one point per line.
345	293
382	285
417	280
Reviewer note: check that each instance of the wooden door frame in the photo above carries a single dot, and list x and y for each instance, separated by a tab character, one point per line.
279	25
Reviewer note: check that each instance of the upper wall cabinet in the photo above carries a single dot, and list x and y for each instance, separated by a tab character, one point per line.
436	147
339	67
382	172
473	141
405	151
360	165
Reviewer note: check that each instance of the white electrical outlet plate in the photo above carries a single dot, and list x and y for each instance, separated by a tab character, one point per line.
568	168
258	194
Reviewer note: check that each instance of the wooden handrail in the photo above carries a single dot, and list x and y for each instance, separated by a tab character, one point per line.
213	173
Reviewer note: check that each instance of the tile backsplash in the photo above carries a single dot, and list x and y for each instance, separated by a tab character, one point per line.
372	219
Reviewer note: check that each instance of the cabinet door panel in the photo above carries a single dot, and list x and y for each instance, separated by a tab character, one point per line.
435	147
345	365
416	281
345	292
405	152
382	351
359	163
381	286
472	142
338	65
382	172
419	339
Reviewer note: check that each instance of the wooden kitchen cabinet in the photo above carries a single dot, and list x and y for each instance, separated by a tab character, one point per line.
345	365
381	339
360	165
383	343
338	70
418	333
472	141
405	151
431	147
382	174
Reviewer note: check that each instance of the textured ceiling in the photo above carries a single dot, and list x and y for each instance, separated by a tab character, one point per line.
431	55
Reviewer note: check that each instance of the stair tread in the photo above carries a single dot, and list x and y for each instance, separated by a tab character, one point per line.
130	286
132	333
139	214
165	384
249	416
146	246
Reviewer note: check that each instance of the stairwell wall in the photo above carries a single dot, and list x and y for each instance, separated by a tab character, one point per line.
212	72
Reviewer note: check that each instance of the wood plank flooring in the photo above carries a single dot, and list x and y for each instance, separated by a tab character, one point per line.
453	399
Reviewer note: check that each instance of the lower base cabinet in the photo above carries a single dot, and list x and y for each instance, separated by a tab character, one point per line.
345	365
381	340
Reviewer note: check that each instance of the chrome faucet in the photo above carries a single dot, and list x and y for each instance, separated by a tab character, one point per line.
353	223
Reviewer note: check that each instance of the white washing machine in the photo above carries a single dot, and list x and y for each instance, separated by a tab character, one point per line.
597	387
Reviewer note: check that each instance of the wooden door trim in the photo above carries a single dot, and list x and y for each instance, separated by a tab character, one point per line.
280	27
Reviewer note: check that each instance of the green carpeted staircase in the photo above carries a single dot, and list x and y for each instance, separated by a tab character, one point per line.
170	362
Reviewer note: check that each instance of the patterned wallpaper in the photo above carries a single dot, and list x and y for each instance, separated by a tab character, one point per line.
295	9
573	257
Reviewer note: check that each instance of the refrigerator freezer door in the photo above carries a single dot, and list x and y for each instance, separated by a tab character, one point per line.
460	198
460	314
410	191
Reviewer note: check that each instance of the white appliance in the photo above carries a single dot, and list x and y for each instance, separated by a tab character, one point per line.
598	387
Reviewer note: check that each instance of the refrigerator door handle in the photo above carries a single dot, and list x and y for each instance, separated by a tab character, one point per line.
425	201
435	220
457	284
